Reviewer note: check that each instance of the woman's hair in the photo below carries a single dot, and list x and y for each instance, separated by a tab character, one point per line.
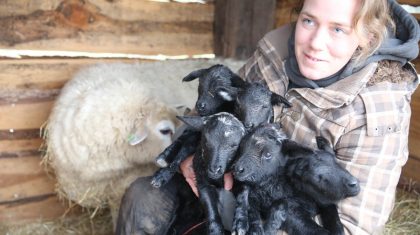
371	24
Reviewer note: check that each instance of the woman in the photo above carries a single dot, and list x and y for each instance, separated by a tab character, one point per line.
346	72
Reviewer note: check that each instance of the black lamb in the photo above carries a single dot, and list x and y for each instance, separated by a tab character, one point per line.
276	174
221	134
252	103
217	90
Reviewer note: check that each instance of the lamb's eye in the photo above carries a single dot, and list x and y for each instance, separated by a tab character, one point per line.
166	131
267	156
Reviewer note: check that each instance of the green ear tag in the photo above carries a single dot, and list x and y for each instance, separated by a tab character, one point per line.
137	137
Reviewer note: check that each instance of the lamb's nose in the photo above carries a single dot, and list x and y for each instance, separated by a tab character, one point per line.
353	186
201	106
216	170
249	125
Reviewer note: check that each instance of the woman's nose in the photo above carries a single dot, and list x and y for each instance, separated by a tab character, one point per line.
319	39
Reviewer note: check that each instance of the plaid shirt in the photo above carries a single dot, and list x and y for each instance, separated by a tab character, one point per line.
367	124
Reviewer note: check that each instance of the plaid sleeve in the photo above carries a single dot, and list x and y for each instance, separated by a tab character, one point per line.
374	149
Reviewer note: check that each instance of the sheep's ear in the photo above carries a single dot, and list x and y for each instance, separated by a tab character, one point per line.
195	122
137	136
277	99
227	93
193	75
323	144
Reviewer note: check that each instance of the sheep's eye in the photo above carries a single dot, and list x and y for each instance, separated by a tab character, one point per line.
166	132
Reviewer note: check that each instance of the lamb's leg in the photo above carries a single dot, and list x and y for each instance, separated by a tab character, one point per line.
276	218
208	197
255	222
188	137
299	222
163	175
331	220
240	221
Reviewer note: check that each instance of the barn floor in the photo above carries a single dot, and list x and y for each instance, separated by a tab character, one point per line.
405	219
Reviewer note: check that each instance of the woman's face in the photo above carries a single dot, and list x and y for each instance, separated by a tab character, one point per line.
324	38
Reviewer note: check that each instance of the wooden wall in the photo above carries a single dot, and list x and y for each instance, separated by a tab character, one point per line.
29	85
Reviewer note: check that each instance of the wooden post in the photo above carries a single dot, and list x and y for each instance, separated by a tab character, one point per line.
240	24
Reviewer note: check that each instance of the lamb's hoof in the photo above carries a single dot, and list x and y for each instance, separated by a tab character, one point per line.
256	230
160	162
156	183
240	227
160	179
239	232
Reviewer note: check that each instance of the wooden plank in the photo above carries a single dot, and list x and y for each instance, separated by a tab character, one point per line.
285	12
29	115
43	74
11	146
239	24
23	177
410	171
77	25
410	2
414	135
43	207
128	10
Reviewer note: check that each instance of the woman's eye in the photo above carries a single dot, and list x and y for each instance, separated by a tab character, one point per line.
307	21
338	30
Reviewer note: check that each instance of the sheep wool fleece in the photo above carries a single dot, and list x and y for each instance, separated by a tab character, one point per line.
364	116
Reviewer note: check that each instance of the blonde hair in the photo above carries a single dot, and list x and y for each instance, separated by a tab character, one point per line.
371	24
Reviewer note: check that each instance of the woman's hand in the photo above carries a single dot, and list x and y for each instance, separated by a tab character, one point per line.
188	172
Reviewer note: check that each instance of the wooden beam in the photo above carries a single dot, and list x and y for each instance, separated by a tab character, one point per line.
126	26
240	24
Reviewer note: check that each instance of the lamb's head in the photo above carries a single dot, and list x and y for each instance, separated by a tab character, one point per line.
217	87
221	134
259	156
319	175
254	104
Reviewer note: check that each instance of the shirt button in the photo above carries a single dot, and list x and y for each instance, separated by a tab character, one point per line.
295	116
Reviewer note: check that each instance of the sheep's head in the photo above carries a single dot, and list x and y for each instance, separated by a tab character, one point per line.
254	104
218	85
152	131
259	156
318	174
221	135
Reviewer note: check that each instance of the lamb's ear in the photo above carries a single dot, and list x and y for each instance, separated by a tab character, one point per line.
323	144
277	99
196	122
238	81
292	149
227	93
194	74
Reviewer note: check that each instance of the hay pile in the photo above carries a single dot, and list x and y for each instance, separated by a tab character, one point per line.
405	219
82	224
